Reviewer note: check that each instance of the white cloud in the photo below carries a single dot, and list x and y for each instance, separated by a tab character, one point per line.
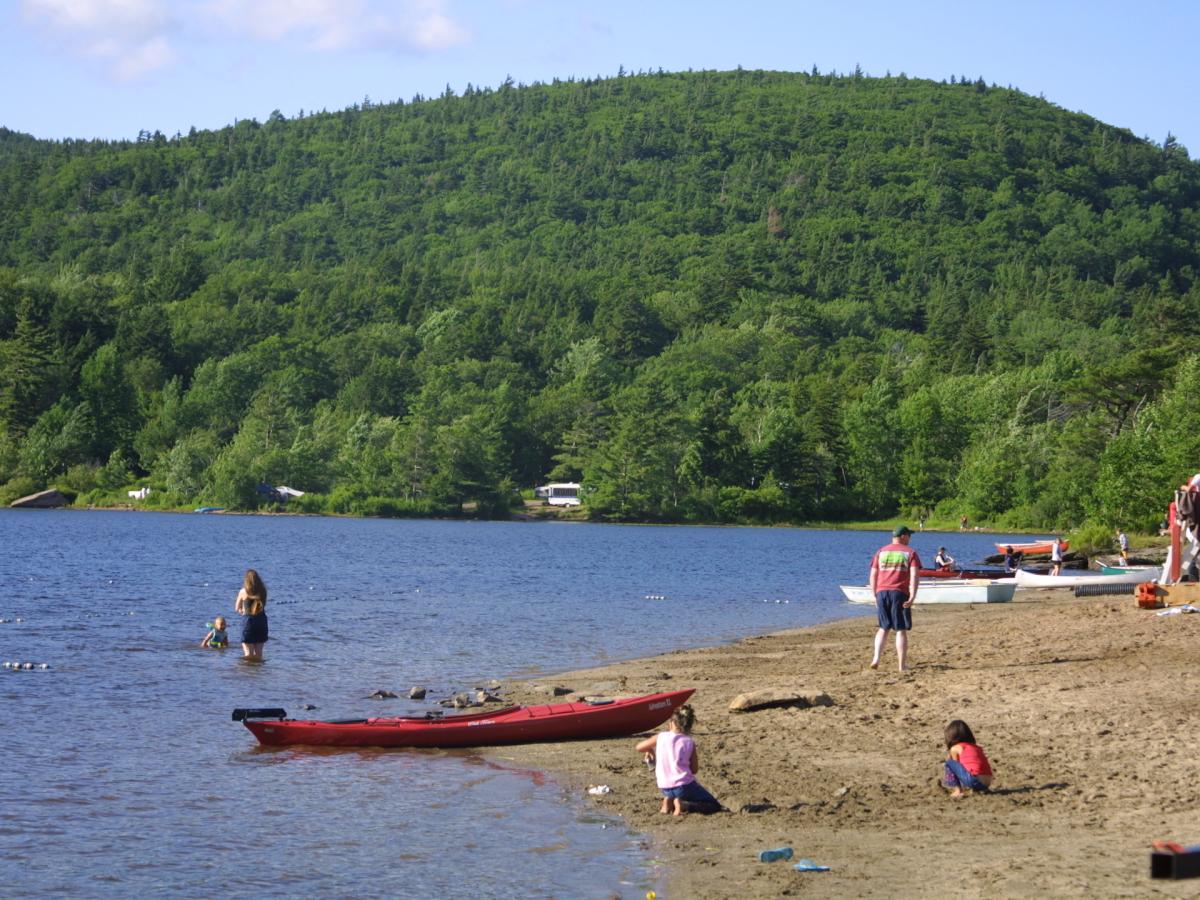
133	38
137	17
331	25
128	37
134	62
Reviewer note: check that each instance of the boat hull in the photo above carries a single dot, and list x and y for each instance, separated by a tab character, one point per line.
968	572
512	725
948	591
1032	548
1033	580
1151	572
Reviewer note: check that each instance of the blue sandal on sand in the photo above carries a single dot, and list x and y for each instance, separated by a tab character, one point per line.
774	855
807	865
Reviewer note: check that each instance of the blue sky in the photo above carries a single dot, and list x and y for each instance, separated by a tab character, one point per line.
110	68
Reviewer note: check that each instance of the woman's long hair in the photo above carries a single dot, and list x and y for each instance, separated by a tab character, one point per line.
256	593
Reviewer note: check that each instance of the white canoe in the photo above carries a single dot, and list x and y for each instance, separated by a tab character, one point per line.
1031	579
949	590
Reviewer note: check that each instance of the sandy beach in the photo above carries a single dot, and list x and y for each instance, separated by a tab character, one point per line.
1082	704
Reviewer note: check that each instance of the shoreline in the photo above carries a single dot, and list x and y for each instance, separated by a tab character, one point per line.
523	516
1072	699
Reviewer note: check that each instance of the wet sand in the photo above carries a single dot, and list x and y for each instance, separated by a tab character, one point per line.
1082	704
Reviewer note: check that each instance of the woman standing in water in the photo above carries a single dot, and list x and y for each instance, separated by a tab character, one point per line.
252	603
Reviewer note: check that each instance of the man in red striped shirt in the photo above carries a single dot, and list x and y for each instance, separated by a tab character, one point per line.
893	580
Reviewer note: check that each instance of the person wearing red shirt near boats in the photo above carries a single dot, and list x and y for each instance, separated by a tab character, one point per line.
893	580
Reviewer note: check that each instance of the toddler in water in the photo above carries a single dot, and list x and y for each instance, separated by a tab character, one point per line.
216	637
966	765
675	763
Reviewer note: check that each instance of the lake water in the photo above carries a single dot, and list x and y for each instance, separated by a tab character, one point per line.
125	774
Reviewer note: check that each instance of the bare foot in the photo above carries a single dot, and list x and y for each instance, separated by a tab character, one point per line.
956	794
874	664
663	810
679	812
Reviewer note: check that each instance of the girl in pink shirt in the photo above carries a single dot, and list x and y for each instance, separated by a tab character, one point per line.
966	765
673	753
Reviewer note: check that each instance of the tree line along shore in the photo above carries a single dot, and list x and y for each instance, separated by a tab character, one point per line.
734	297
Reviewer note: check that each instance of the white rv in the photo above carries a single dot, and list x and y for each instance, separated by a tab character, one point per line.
560	494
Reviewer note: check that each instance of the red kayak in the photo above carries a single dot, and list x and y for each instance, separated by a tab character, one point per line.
510	725
968	572
1032	548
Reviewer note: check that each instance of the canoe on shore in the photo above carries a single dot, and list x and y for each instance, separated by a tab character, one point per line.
1030	579
957	571
1032	548
946	591
510	725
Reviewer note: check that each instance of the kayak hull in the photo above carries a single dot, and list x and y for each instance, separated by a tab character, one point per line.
511	725
965	572
1032	548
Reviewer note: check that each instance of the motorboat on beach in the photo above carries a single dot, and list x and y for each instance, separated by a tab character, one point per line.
950	590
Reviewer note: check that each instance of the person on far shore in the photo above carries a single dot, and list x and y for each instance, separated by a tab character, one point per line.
1056	556
943	560
895	568
1123	546
217	637
962	523
252	603
966	766
673	753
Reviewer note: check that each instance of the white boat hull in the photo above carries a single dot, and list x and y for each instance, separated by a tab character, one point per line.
1031	579
966	590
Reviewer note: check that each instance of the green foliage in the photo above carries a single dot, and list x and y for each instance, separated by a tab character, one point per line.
739	296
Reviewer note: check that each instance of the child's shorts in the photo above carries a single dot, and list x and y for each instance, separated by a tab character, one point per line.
691	792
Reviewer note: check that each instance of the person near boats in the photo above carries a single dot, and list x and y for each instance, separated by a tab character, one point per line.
1012	560
943	560
1123	546
1056	552
252	603
966	766
895	568
673	753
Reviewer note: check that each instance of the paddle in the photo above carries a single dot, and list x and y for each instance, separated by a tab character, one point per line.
240	715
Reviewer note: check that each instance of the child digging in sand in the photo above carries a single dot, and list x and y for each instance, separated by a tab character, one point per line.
675	763
966	764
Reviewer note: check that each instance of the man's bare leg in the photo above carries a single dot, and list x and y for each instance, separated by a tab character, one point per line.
880	639
902	649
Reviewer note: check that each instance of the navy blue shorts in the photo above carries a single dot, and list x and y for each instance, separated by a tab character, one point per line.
254	630
691	792
892	614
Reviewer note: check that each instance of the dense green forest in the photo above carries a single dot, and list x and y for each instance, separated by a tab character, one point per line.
737	297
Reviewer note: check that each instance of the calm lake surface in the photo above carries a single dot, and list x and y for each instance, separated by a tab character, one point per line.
125	774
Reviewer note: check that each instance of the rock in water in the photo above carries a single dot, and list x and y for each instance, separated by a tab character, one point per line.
41	500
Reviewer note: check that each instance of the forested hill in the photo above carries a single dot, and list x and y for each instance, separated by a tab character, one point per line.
741	296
